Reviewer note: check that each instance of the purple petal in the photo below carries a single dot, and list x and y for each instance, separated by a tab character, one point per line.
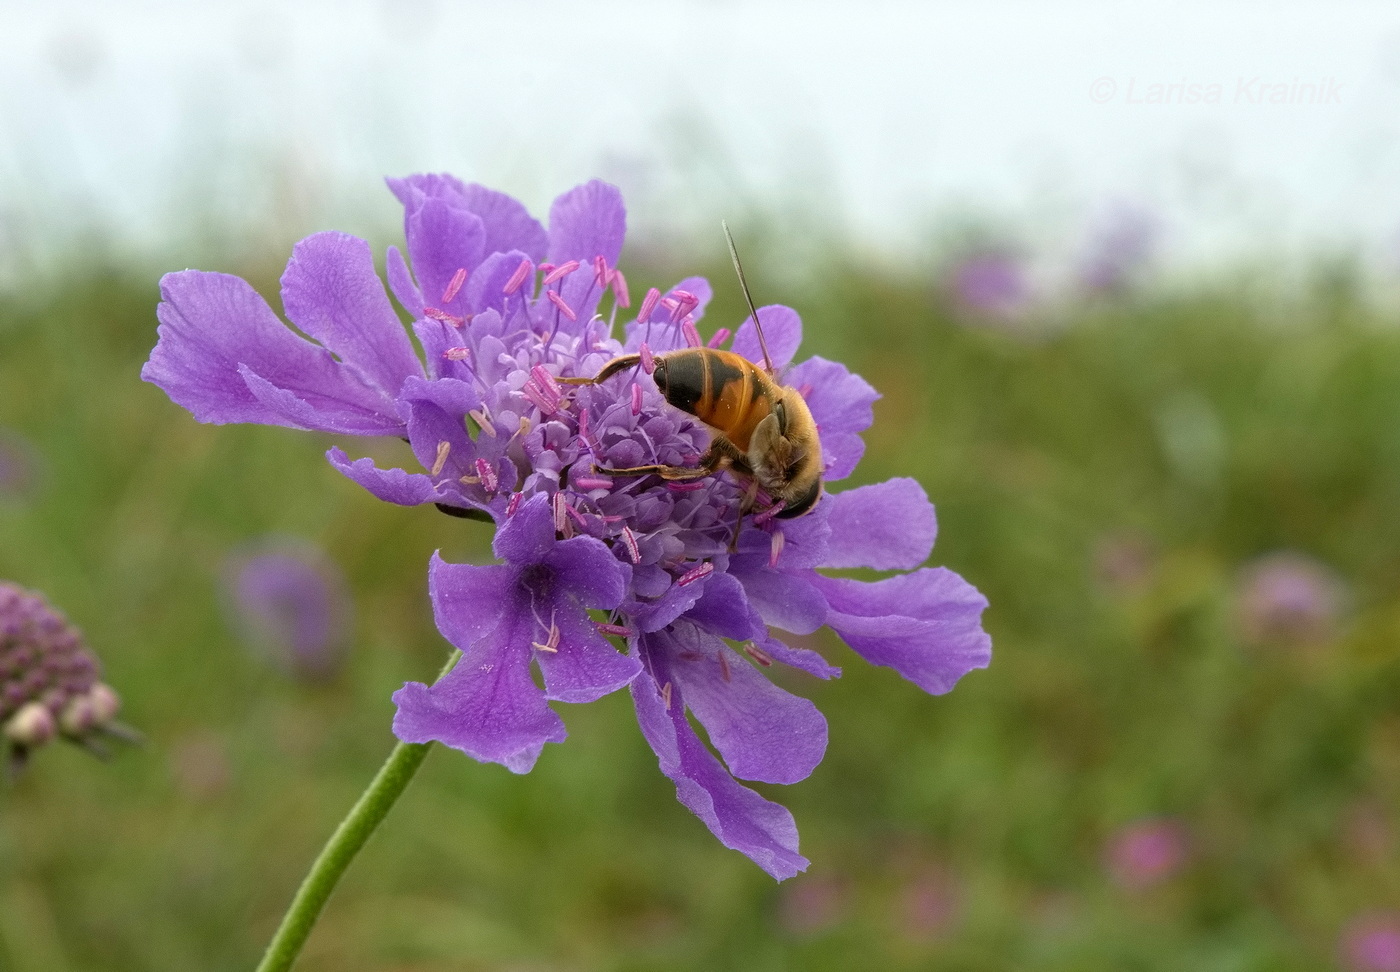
656	614
528	536
786	600
508	224
762	732
443	239
888	526
739	817
485	289
450	394
587	570
724	609
401	282
469	600
488	706
781	327
801	658
658	331
390	485
331	291
211	323
587	221
841	405
414	189
586	665
305	411
926	625
429	427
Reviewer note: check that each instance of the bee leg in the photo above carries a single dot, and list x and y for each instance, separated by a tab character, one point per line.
609	369
718	456
746	505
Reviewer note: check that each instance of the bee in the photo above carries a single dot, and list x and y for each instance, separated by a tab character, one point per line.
763	430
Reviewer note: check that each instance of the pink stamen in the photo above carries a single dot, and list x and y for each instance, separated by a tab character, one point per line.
514	503
444	317
690	458
457	354
666	696
629	539
454	285
536	397
577	516
762	519
648	304
517	278
692	336
684	487
560	517
546	381
489	481
560	272
698	573
775	547
805	390
612	518
591	482
686	301
523	429
724	665
546	268
601	274
758	654
672	305
558	302
720	337
619	630
440	460
551	643
624	299
648	360
636	399
480	418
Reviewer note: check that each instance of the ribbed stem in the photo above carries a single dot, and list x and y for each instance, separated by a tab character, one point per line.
369	811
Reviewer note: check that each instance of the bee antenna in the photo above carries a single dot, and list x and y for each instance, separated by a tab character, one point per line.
744	284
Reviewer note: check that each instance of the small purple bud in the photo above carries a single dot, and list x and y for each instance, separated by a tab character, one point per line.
31	727
293	606
812	904
1371	943
991	284
1146	853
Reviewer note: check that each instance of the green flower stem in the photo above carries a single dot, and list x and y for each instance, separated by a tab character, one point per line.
369	811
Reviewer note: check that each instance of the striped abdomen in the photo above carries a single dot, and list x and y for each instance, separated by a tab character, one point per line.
722	389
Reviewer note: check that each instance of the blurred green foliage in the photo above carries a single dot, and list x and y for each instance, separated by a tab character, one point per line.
1103	470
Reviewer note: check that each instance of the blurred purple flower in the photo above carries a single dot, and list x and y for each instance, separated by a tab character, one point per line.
503	308
1145	853
1288	597
929	904
813	904
19	466
991	284
49	680
293	605
1120	242
1371	943
1124	562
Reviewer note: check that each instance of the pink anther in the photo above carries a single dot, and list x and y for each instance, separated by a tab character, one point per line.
619	630
558	302
517	278
636	399
775	547
692	336
758	654
560	272
514	503
690	487
719	338
619	282
629	539
560	517
587	483
479	416
457	354
454	285
489	481
648	360
601	274
440	460
695	574
648	304
444	317
724	672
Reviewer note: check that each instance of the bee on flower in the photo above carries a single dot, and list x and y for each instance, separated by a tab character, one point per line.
604	582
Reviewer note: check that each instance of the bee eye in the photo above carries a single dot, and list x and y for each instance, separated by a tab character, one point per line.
659	376
780	410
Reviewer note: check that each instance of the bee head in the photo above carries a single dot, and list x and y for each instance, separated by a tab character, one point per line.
659	376
802	502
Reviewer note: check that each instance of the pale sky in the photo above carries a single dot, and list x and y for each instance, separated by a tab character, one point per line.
1244	124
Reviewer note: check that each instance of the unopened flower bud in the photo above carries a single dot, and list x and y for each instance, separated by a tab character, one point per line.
33	725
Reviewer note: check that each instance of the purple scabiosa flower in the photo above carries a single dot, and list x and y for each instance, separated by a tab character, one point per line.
292	604
1288	598
604	582
814	904
49	680
1371	943
991	284
1144	853
1119	244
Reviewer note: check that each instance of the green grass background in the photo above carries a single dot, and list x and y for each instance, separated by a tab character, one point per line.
1215	423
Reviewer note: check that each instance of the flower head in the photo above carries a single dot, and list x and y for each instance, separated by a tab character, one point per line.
605	581
1147	852
49	684
293	606
1371	943
1289	598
